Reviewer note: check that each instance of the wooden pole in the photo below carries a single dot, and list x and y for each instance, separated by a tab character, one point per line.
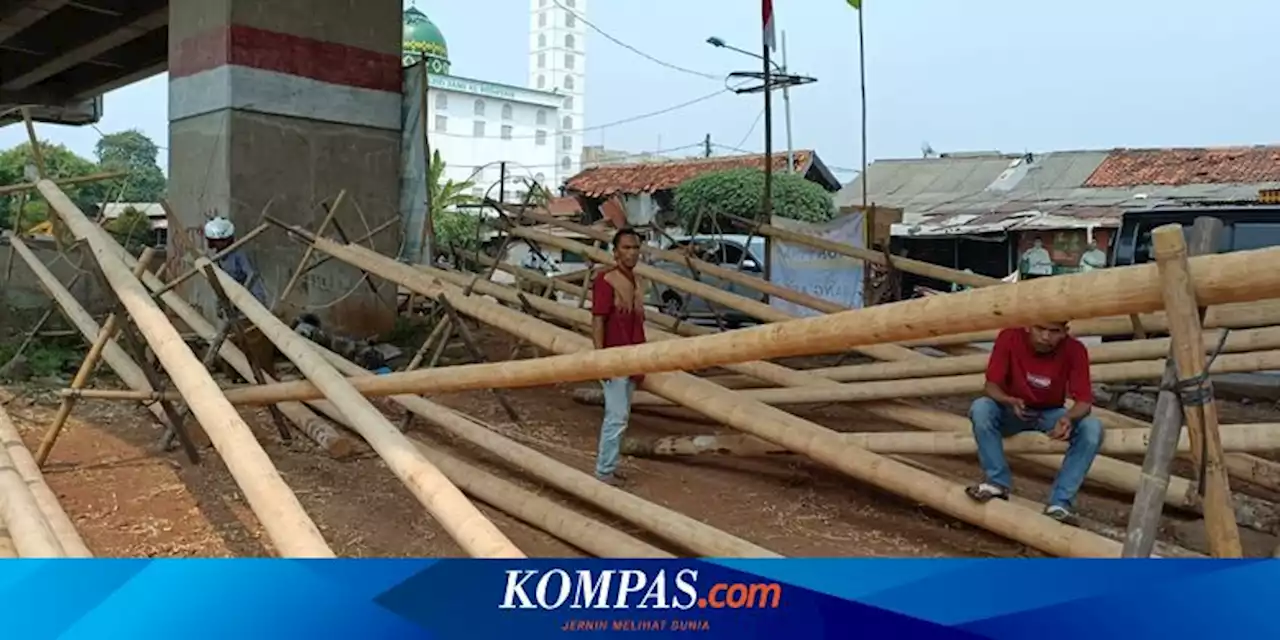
958	385
1219	279
287	525
686	532
564	523
461	519
1200	412
820	444
1123	442
120	362
1245	314
32	535
1148	505
63	528
106	334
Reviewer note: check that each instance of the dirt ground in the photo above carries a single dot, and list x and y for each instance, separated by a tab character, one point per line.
128	501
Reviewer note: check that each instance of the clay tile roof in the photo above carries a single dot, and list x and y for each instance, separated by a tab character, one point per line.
564	207
609	180
1175	167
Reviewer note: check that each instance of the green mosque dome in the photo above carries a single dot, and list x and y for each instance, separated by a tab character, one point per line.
423	38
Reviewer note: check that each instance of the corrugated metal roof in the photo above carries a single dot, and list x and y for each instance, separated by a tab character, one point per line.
995	193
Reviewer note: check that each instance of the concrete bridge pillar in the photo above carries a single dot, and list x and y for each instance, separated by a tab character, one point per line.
288	102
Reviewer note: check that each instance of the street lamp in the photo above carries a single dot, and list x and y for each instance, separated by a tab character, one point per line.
781	79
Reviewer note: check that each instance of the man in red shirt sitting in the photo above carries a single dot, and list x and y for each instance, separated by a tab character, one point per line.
1031	373
617	309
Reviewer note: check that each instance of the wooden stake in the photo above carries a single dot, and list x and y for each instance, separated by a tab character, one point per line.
1148	502
464	522
464	332
1201	414
291	531
106	334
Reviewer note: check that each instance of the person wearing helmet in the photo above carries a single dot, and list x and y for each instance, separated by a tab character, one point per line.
220	233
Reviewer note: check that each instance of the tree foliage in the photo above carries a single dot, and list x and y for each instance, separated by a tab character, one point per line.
134	152
740	192
451	226
60	162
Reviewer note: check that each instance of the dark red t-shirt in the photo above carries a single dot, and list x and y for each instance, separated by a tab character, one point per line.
623	325
1043	381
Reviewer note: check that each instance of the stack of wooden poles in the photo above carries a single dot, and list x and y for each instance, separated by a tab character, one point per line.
1162	297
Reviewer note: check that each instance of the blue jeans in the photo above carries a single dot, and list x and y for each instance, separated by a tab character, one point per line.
993	422
617	410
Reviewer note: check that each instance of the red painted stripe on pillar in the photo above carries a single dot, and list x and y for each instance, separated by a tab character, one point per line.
285	53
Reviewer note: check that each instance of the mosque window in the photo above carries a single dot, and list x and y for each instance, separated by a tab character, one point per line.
542	60
568	103
570	21
565	163
540	138
442	101
506	112
567	123
566	142
477	129
442	123
506	132
542	81
568	82
570	3
568	60
568	41
542	40
542	116
542	19
480	108
540	177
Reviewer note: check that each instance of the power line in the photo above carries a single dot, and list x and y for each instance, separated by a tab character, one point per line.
608	125
633	49
752	130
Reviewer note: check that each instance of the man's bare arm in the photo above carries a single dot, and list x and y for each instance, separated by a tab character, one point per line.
597	331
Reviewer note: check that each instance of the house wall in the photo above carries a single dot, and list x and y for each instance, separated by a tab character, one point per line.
1066	247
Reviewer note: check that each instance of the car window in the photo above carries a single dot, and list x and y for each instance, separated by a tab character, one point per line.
1256	235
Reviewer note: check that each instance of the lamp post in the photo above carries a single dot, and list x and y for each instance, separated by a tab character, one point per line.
781	78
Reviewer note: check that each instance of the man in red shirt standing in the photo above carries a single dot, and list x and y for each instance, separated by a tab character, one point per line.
1031	373
617	309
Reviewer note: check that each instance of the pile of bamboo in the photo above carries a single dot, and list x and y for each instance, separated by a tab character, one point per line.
757	400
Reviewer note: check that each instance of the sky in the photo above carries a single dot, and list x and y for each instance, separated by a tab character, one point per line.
1007	75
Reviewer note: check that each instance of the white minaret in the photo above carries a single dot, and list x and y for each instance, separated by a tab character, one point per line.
558	62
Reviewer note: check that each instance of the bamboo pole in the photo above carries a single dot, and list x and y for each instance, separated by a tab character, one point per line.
306	255
106	334
290	529
926	269
325	436
1258	311
461	519
713	270
1128	351
63	528
1121	442
570	526
124	367
822	445
957	385
1219	279
1200	412
63	182
669	525
719	296
7	550
31	533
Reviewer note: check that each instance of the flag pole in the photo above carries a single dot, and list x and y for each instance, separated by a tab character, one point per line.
862	80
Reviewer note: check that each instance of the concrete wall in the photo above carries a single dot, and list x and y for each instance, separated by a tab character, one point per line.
22	291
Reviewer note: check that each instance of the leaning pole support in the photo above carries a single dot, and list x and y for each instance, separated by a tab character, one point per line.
290	529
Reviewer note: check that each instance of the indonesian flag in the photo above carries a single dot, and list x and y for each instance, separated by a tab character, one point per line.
769	40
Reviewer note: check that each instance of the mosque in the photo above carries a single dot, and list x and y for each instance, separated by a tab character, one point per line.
476	124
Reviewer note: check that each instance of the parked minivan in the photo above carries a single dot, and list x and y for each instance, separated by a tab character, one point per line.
721	250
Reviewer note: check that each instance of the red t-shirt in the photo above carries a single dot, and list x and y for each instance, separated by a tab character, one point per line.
1043	381
623	324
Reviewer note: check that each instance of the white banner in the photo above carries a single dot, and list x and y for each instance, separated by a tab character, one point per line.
819	273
